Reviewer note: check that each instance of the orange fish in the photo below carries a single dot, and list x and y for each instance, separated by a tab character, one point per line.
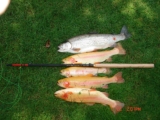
94	57
89	97
90	82
83	71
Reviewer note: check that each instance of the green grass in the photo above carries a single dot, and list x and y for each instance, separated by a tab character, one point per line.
28	93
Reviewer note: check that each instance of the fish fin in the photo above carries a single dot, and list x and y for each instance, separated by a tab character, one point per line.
108	71
76	49
70	93
78	63
125	32
119	77
118	107
121	49
92	89
93	32
114	45
106	94
97	63
94	50
89	75
90	104
105	86
68	76
109	59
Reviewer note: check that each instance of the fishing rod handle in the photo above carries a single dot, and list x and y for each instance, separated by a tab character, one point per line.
125	65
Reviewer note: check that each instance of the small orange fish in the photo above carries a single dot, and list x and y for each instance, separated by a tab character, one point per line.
83	71
90	82
94	57
89	97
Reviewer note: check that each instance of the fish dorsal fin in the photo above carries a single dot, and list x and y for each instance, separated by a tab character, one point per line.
106	94
97	63
105	86
109	59
89	75
90	104
76	49
92	89
93	32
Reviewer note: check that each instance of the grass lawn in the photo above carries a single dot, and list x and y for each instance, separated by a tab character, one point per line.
28	93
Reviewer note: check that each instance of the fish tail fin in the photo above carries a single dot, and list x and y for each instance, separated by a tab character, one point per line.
121	49
108	70
119	77
118	107
124	31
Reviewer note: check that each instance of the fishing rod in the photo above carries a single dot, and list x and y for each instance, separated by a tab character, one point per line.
107	65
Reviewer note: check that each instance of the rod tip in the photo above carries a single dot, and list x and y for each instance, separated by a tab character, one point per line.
9	65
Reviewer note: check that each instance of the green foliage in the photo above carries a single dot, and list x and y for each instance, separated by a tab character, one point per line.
28	93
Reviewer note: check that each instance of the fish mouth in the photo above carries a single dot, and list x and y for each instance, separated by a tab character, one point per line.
56	94
59	84
62	74
65	46
60	46
62	50
63	61
66	62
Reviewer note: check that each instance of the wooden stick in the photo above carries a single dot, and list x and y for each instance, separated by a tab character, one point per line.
125	65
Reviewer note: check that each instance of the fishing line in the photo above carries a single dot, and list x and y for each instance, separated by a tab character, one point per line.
18	94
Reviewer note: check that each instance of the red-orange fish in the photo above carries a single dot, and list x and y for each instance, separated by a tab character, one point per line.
89	97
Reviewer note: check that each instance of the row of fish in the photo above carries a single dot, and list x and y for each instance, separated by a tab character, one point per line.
82	89
81	82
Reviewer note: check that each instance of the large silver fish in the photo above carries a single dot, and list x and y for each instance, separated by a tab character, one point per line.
92	42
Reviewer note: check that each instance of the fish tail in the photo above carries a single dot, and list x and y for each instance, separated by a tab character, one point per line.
125	32
121	49
119	77
118	107
108	71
